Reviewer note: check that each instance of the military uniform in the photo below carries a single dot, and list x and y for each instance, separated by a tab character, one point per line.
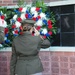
25	59
1	34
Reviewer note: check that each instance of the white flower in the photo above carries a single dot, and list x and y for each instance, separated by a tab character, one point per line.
13	32
24	9
5	15
1	45
42	15
3	23
39	23
5	38
18	24
15	17
35	14
44	31
33	9
23	16
1	12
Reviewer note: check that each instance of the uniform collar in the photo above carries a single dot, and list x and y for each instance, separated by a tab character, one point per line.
26	33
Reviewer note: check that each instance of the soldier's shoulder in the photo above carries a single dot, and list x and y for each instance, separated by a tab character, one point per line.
15	38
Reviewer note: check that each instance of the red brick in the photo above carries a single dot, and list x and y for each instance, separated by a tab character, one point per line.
68	53
64	65
52	53
46	64
63	59
4	58
46	70
54	70
7	1
54	58
72	72
0	1
41	53
72	59
59	53
74	53
15	1
45	58
64	71
72	65
12	4
3	64
3	4
55	64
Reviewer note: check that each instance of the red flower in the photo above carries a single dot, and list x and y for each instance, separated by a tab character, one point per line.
26	15
6	30
50	32
21	33
44	37
49	22
50	26
38	27
34	18
20	9
38	17
19	19
21	28
37	9
2	17
14	26
16	31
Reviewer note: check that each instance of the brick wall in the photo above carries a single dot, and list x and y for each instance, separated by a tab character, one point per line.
14	2
54	63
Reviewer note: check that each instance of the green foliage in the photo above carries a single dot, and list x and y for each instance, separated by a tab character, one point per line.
52	18
8	13
40	3
21	3
3	9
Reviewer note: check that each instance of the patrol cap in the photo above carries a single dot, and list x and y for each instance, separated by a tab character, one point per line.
28	21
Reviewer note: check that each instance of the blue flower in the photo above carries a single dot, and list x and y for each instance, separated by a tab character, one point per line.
7	41
47	34
6	35
13	21
16	11
40	10
27	11
41	33
36	19
32	15
15	34
29	16
45	22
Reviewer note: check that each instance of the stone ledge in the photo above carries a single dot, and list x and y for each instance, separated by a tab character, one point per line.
54	49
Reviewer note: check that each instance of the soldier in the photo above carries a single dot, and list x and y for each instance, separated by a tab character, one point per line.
1	34
25	49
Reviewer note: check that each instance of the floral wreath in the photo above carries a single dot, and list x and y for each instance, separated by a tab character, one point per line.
43	23
3	24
